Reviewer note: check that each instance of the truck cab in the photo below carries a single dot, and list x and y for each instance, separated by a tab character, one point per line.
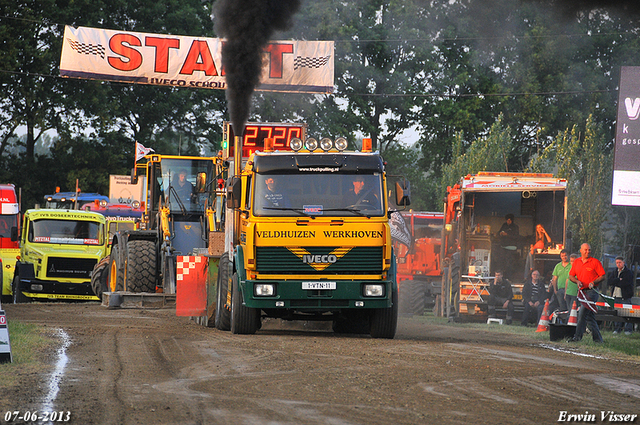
58	250
313	241
9	247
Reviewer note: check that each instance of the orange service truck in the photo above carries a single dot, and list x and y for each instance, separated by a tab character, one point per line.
475	211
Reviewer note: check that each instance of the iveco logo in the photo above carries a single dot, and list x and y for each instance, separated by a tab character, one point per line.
319	262
308	259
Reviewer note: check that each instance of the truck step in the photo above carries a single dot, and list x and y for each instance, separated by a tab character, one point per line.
123	299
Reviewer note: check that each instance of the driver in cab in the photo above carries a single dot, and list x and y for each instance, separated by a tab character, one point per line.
361	195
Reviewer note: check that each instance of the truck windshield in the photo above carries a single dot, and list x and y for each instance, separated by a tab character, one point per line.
6	223
177	183
318	194
65	232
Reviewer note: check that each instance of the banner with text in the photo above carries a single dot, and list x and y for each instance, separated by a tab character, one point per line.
183	61
626	165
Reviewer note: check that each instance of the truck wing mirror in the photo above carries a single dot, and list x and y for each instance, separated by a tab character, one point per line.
201	182
403	193
234	191
14	234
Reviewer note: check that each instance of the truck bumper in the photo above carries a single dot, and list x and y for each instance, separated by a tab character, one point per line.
291	295
48	289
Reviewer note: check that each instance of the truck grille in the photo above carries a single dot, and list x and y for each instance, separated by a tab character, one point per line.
280	260
77	268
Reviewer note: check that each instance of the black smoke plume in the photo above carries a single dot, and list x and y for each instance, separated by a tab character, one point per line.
247	25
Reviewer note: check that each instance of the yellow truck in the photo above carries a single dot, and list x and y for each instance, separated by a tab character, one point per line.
311	239
58	250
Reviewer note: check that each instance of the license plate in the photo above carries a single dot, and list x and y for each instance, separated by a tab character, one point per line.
318	285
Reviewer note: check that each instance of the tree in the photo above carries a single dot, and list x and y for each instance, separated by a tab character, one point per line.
585	160
490	153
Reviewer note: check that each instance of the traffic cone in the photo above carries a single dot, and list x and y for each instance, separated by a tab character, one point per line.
543	325
573	316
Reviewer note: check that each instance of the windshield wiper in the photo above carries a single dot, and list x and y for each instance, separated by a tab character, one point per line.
298	210
353	210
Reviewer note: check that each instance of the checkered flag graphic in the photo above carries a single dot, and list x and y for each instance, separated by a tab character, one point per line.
87	49
302	62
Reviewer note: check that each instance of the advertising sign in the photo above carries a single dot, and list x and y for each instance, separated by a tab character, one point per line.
183	61
626	165
121	191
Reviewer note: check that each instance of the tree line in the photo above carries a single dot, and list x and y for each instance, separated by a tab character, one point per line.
441	87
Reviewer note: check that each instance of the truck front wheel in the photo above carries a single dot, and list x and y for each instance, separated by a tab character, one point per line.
141	266
99	277
244	320
115	280
18	296
384	321
223	308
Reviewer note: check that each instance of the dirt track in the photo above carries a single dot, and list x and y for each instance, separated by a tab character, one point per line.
149	367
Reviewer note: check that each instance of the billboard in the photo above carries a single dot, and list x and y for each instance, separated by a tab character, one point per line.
121	191
626	164
196	62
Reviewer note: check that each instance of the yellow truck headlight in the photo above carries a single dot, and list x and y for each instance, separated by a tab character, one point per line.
374	290
264	289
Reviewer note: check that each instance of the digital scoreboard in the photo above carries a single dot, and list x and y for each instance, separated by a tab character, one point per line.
255	133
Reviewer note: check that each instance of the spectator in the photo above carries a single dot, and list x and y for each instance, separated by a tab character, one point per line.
559	282
501	294
507	244
541	236
621	282
534	295
571	290
587	272
509	232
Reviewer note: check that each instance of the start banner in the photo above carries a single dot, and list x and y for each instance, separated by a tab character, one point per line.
196	62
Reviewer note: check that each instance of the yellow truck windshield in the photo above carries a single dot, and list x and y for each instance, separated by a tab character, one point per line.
74	232
318	194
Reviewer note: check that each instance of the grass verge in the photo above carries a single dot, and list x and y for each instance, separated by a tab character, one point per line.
615	346
31	345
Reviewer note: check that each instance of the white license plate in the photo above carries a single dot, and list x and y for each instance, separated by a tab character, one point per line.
318	285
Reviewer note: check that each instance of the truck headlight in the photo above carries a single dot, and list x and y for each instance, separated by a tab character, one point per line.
326	144
341	143
311	144
264	289
295	144
374	290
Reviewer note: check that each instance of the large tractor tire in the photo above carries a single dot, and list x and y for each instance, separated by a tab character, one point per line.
115	278
99	277
418	291
223	308
18	296
384	321
141	266
244	320
404	298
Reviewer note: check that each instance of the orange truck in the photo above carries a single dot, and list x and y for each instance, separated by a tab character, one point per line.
475	211
419	270
9	247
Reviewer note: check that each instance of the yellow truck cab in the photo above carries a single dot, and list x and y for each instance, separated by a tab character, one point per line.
313	242
58	250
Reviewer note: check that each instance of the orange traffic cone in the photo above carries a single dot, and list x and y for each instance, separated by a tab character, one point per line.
573	316
543	325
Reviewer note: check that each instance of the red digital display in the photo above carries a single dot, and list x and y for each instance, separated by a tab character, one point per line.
255	133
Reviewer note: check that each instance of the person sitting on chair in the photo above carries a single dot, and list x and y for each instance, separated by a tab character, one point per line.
500	294
509	232
541	236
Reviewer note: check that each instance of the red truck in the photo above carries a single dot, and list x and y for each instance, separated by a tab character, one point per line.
419	269
9	247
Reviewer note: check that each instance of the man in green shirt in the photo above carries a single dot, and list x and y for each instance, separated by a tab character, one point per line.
571	290
559	283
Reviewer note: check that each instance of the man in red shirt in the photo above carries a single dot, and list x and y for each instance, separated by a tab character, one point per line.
587	272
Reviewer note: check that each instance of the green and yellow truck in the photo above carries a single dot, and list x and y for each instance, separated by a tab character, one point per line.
311	239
